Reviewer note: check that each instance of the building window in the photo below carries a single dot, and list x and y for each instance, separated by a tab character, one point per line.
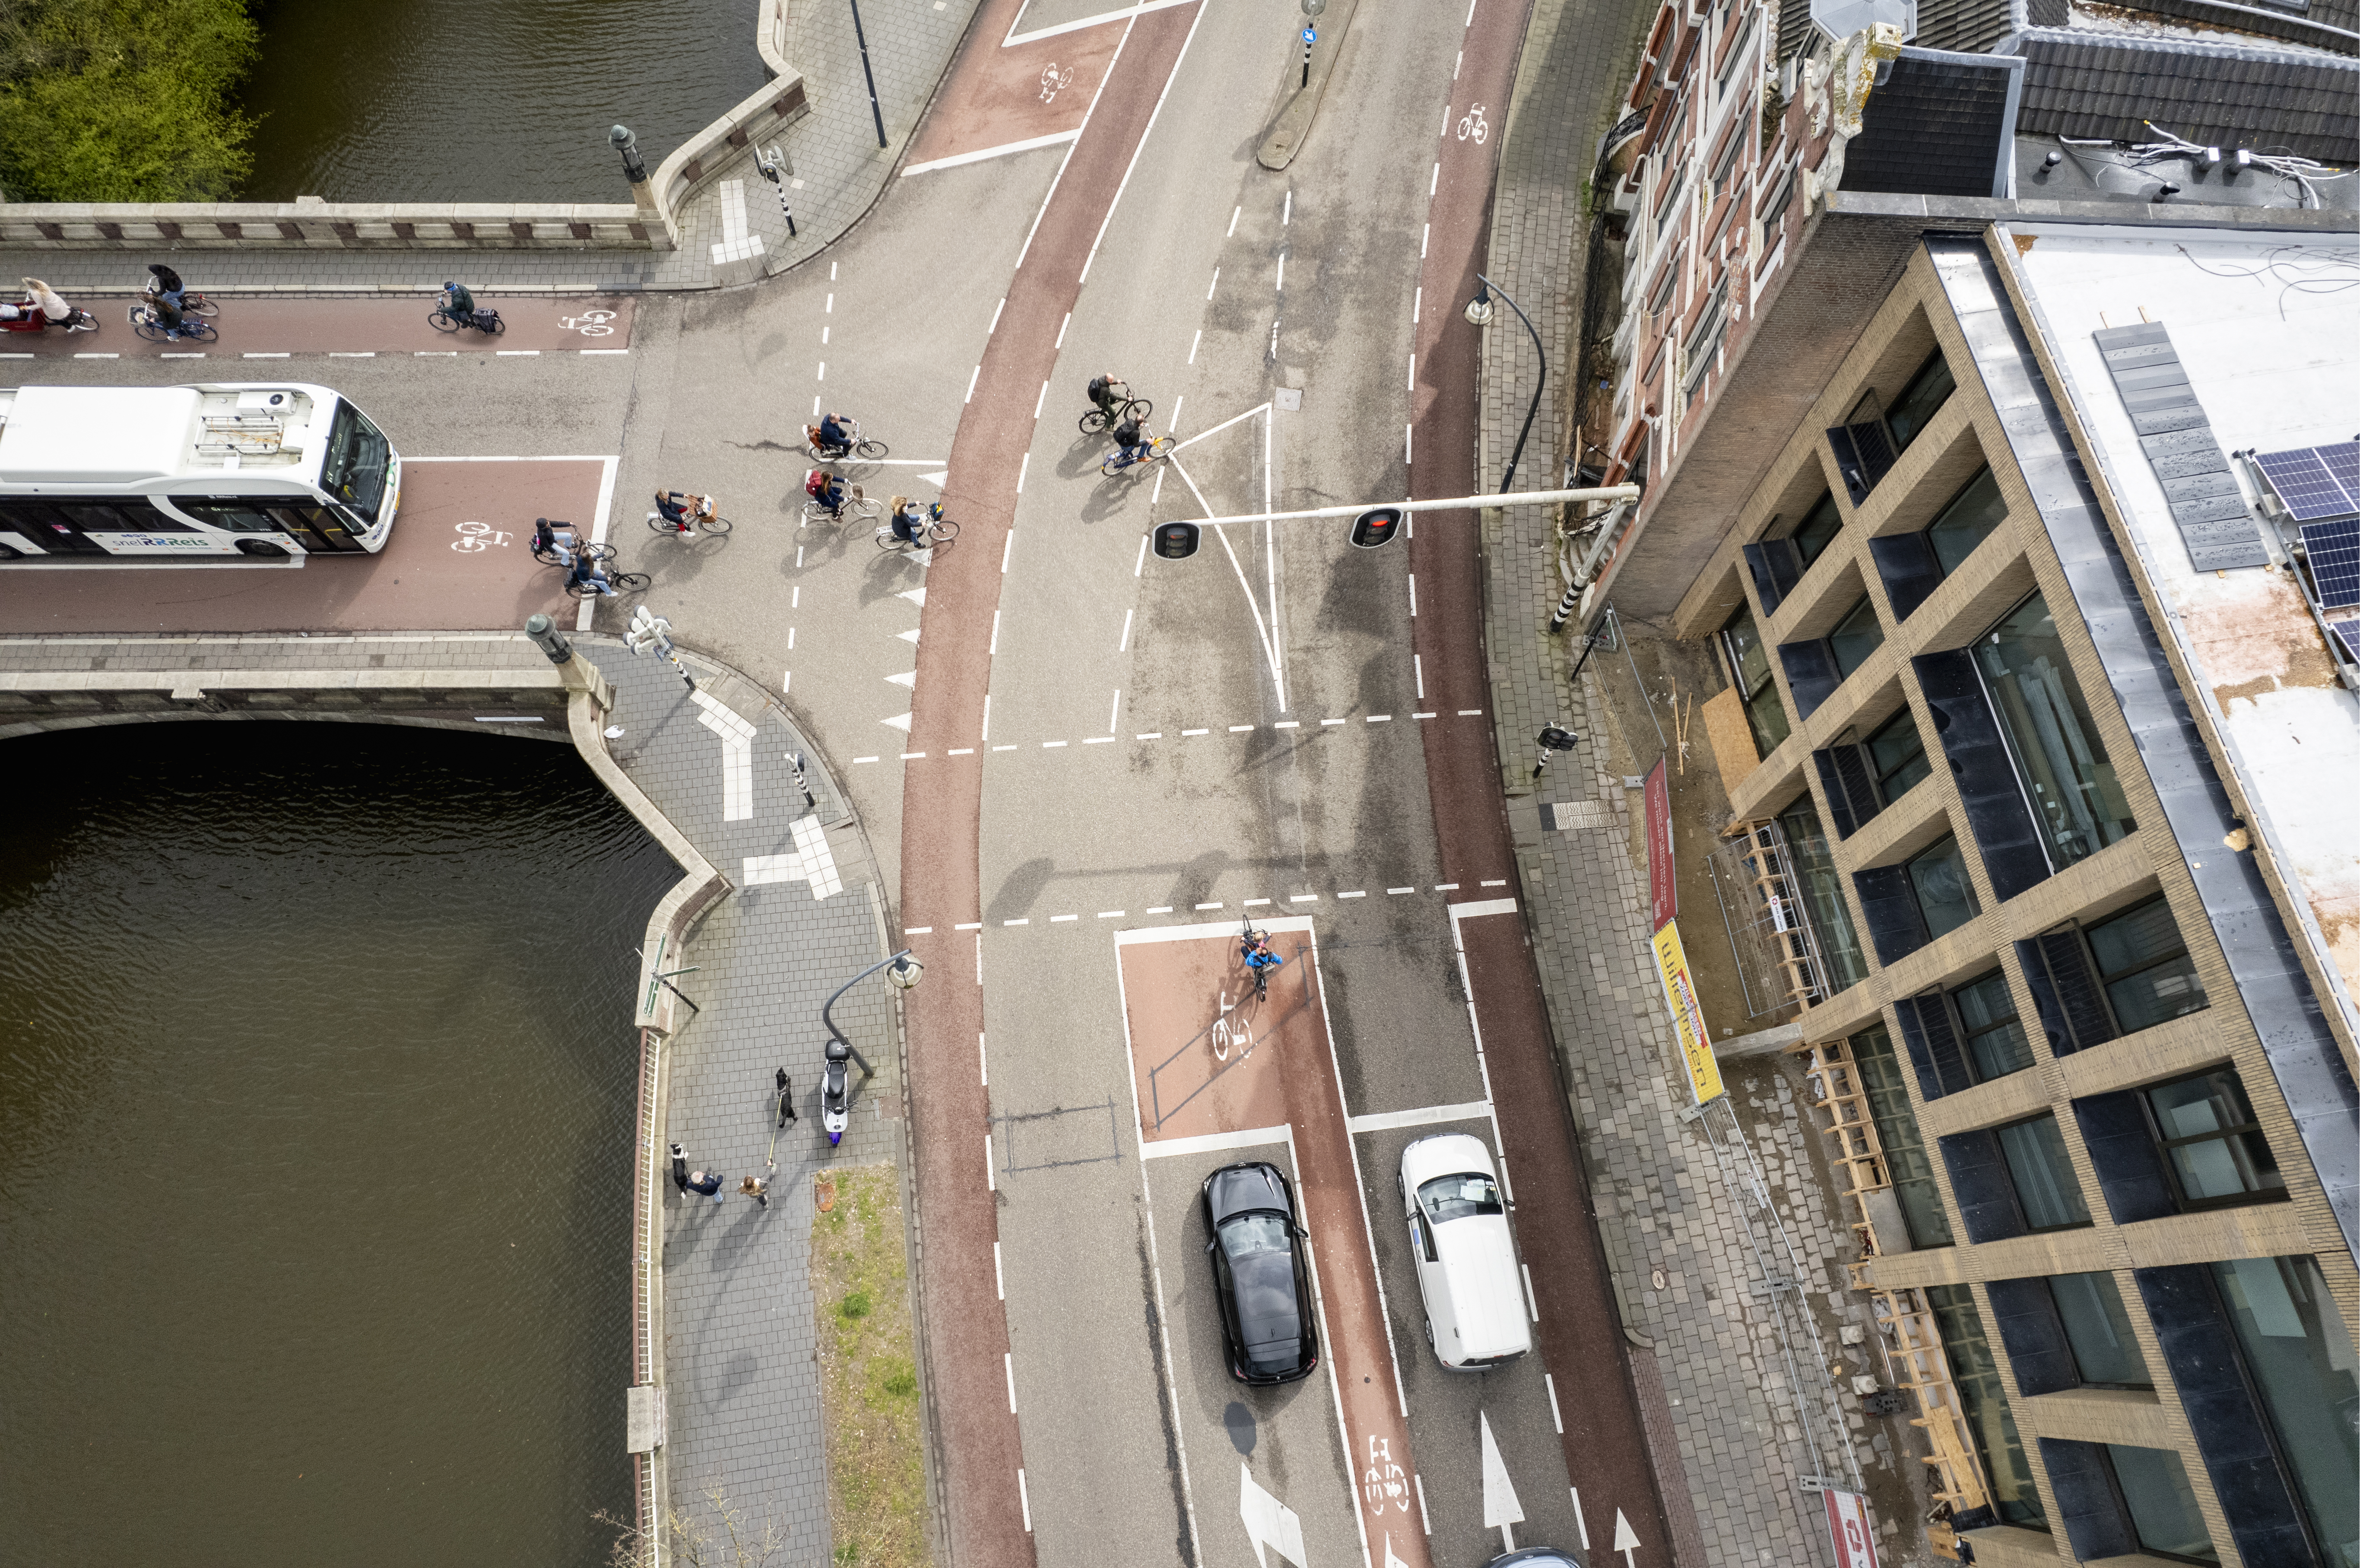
1966	521
2160	1505
1896	757
2299	1358
1906	1164
1975	1374
2047	1191
2144	967
2210	1142
1749	669
1711	324
1995	1042
1937	877
1822	892
2098	1329
1856	636
1818	531
1923	398
2075	796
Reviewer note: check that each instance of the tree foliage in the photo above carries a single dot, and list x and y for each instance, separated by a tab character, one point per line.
124	100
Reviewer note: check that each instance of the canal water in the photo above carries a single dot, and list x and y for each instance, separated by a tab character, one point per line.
316	1104
485	100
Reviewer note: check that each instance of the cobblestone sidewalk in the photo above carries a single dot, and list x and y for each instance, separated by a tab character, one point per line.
1693	1253
839	172
741	1340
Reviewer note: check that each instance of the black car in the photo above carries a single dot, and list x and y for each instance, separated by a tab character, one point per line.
1259	1273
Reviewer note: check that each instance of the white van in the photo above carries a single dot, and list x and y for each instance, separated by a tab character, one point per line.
1466	1260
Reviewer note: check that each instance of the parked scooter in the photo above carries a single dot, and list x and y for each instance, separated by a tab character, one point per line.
835	1092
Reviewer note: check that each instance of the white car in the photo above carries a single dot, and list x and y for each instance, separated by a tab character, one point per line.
1466	1259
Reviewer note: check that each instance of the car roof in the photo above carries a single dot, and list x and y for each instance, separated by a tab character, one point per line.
1445	1154
1242	1189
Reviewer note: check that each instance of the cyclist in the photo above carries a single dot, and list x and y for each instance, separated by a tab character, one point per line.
829	437
1102	393
681	512
51	305
1133	438
459	301
585	574
164	284
1255	951
556	542
908	520
825	490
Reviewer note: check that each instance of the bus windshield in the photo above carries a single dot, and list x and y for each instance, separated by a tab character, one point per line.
353	471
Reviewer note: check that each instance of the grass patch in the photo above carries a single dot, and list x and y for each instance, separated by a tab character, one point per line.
869	1376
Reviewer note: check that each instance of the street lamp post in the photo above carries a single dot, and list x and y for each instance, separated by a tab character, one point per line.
875	112
635	167
1478	311
906	973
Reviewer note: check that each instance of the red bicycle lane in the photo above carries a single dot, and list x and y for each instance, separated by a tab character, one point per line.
966	1327
279	325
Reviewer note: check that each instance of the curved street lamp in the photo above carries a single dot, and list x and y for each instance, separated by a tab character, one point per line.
1478	313
907	972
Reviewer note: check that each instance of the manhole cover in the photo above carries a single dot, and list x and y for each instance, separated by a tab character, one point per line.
1290	399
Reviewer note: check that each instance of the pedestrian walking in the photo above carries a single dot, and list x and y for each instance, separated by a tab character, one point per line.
679	1168
786	1098
706	1183
757	1188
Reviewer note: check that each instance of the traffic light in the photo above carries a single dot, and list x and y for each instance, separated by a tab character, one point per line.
1178	540
648	630
1376	525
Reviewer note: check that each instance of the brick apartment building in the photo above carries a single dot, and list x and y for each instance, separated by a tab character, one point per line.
1994	389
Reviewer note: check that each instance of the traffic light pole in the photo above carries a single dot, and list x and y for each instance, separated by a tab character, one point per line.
1457	503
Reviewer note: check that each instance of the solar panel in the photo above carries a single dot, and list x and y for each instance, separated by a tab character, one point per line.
2333	551
2350	632
2315	481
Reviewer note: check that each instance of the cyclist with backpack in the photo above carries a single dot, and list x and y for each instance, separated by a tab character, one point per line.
681	512
908	520
826	491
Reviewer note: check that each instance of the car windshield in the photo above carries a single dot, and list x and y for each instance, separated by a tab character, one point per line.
1250	1233
1450	1198
353	469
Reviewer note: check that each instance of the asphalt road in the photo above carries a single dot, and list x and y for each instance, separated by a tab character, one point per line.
1052	736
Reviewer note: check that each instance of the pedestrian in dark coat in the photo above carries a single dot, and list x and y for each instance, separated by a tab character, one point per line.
707	1183
757	1188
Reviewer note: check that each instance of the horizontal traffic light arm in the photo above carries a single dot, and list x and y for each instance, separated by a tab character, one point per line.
1517	499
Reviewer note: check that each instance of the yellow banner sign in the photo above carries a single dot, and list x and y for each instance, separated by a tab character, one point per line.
1679	993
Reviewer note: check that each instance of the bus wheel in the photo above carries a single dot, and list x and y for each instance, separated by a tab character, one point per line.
10	553
261	547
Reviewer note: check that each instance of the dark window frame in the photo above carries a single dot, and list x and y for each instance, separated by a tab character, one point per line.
1880	778
1968	1035
2073	1351
1975	904
1957	497
2165	1142
1925	366
2123	1504
2107	980
1747	696
2016	1189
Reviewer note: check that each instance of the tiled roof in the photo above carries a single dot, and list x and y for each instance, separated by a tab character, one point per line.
2094	84
1938	126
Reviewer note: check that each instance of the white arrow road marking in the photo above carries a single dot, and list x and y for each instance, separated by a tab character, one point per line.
810	862
1268	1521
1500	1505
737	756
1626	1539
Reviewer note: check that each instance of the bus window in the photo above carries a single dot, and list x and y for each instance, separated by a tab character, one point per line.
44	526
120	514
319	529
231	513
353	469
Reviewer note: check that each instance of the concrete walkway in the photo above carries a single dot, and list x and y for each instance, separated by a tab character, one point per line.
1726	1430
740	1334
839	172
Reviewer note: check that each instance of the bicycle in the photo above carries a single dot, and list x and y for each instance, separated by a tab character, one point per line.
617	583
859	446
1125	407
1252	943
443	318
150	325
856	505
703	520
938	530
1157	450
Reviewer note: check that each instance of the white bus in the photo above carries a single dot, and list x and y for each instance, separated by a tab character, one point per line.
131	475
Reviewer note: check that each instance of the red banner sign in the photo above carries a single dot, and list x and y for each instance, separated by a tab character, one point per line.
1849	1525
1662	889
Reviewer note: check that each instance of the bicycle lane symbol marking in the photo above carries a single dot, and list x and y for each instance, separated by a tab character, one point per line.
1472	125
1383	1482
590	323
472	534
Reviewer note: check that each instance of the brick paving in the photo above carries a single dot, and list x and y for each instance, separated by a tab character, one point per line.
832	150
740	1335
1714	1373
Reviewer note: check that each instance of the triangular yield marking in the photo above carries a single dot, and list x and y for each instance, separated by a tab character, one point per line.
916	596
903	723
939	479
1500	1503
1625	1538
909	636
910	680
